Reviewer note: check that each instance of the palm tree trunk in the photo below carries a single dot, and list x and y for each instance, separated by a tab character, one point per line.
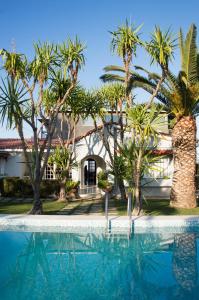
183	192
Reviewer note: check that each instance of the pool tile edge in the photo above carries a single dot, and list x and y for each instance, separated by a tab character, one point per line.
95	222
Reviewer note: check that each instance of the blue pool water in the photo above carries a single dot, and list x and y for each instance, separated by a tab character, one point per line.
94	266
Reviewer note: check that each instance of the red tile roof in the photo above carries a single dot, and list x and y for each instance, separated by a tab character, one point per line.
17	144
10	143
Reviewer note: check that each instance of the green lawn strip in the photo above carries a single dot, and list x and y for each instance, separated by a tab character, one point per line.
121	206
89	207
49	207
83	208
72	210
156	208
95	207
161	207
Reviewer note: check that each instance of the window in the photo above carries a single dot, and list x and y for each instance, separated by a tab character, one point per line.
49	172
52	172
2	166
58	172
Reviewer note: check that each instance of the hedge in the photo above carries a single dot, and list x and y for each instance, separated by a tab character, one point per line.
17	187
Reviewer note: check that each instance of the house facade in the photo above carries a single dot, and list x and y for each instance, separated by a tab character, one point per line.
92	157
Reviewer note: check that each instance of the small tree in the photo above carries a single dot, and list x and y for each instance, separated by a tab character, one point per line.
137	154
64	161
30	93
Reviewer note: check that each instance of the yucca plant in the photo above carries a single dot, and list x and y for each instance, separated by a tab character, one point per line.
138	152
124	43
63	160
160	47
30	94
113	99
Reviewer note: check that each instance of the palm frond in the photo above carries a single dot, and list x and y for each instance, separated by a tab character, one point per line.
111	78
189	59
111	68
13	102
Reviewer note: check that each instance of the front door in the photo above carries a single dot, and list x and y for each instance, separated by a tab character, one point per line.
90	172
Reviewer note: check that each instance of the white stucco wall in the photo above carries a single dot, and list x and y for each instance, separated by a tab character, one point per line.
90	147
15	164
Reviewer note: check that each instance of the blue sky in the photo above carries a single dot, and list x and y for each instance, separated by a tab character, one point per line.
24	21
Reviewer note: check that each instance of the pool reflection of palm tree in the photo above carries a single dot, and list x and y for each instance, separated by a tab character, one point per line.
185	261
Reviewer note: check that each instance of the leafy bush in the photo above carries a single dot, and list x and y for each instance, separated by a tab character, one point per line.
71	185
102	175
17	187
103	182
10	186
48	188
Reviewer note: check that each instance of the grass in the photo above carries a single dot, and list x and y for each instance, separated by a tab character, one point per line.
157	208
49	207
151	207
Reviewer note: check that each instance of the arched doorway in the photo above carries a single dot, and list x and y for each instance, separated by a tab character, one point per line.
91	165
90	172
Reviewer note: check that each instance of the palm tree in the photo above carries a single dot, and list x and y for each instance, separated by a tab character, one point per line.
180	95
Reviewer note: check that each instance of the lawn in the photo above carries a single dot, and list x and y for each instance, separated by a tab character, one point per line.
151	207
49	207
158	208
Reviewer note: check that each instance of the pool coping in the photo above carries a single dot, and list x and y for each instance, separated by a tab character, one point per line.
93	222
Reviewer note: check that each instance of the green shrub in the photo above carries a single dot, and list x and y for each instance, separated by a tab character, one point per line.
103	182
102	175
48	188
71	185
10	186
17	187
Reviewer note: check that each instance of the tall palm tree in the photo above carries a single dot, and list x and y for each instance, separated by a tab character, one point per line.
180	95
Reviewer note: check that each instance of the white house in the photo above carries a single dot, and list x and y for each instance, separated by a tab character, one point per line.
91	157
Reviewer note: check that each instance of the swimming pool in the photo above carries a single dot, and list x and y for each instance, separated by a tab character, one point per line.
99	265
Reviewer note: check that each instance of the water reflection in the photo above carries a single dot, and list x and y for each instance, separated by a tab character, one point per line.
185	263
99	266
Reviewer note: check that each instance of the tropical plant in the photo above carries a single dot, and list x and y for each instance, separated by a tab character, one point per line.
124	43
138	152
103	182
64	161
180	95
161	49
29	93
113	99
